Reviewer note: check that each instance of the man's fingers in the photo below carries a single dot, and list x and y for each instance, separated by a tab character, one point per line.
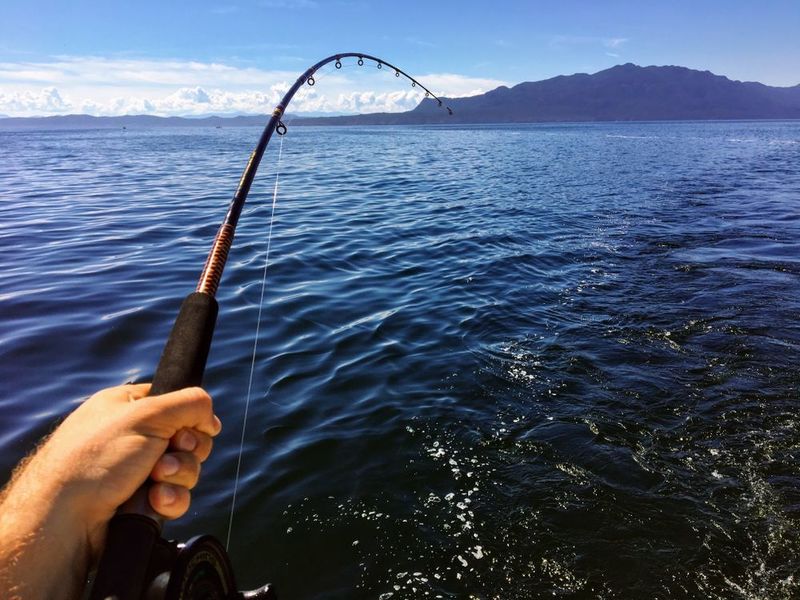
189	408
191	440
170	501
178	468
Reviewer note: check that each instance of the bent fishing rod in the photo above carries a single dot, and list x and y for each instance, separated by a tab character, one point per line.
137	563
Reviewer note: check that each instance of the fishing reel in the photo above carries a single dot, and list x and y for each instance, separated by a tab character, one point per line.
196	570
139	564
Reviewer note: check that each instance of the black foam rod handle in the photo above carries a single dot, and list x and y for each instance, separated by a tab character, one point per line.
184	358
182	364
134	531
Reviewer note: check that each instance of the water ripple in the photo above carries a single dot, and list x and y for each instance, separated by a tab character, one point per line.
513	362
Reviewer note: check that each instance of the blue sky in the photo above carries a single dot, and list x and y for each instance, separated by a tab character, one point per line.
235	56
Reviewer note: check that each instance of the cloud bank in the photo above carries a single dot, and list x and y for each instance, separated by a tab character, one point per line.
108	87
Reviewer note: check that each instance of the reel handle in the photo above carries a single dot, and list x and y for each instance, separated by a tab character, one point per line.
136	528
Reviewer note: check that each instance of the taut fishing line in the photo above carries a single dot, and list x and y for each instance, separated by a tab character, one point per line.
255	344
258	330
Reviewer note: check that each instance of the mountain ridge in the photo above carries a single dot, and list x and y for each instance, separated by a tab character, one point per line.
625	92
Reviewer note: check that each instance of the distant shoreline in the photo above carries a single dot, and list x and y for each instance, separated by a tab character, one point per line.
133	123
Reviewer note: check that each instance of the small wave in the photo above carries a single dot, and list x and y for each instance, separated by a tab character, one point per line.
632	137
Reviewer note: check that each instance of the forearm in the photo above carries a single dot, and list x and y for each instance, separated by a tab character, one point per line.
43	552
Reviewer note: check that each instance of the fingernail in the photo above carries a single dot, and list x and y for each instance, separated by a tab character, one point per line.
217	423
187	441
168	494
170	464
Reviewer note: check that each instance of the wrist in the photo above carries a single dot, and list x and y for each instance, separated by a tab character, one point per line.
44	552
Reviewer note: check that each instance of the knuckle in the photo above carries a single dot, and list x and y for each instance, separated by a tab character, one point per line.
200	394
200	399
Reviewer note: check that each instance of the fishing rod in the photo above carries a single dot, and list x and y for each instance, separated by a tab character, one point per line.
137	563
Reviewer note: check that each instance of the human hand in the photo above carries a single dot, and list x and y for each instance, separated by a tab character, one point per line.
55	511
109	446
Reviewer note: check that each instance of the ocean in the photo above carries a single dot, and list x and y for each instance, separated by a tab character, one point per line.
496	362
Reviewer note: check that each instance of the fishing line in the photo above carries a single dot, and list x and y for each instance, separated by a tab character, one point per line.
289	119
255	346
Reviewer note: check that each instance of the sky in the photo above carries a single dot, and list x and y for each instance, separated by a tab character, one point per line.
200	57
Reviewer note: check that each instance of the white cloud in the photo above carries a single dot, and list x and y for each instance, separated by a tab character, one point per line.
452	85
107	72
103	86
44	101
614	42
560	41
290	4
418	42
224	9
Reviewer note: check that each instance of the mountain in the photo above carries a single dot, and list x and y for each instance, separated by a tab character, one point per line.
622	93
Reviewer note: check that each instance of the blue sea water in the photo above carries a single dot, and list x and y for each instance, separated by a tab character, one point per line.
494	362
